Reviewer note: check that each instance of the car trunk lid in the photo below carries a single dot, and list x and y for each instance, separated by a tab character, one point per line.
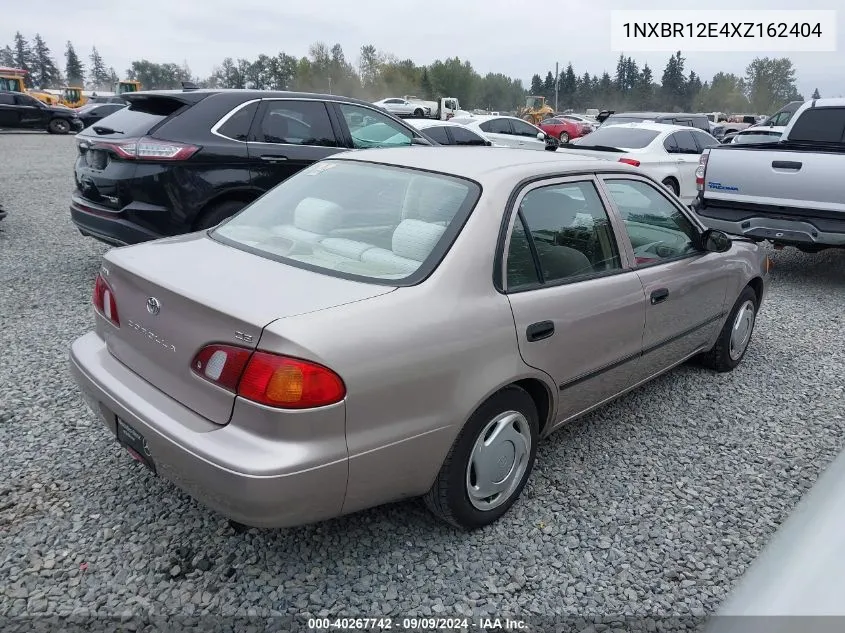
177	295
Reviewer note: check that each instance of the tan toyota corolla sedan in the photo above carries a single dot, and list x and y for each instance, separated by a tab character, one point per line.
405	322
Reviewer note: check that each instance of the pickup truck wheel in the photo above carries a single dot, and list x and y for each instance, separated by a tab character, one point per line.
672	185
58	126
215	214
733	340
489	463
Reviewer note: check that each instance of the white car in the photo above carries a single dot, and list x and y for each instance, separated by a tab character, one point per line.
509	131
448	133
401	107
667	153
758	134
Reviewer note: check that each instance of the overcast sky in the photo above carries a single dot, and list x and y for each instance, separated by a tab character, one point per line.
495	35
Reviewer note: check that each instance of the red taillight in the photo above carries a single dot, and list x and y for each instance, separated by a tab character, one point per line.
269	379
699	171
630	161
104	301
150	149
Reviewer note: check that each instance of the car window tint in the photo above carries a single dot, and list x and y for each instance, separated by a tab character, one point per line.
670	144
571	231
296	123
237	126
26	100
825	125
496	126
521	128
439	134
521	267
657	228
370	128
704	140
7	99
686	143
464	136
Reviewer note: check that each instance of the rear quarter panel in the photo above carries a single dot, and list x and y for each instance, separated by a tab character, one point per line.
416	362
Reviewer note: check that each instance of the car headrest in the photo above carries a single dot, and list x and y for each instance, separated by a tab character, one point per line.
414	239
317	215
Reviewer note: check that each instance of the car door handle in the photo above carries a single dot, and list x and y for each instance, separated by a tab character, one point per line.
274	159
659	295
539	331
787	164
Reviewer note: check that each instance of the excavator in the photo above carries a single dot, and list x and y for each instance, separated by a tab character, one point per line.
127	85
13	80
535	110
73	97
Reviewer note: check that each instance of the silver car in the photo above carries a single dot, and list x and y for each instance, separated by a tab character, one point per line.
405	322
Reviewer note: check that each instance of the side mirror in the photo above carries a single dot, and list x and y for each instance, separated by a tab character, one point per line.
541	136
714	241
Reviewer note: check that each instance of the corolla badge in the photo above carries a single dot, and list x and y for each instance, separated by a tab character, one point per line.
153	306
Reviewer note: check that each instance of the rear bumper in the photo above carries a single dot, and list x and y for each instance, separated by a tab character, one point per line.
107	225
804	230
256	480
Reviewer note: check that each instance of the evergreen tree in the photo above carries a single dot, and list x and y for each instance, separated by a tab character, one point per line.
23	57
536	85
99	76
816	94
46	73
7	57
74	70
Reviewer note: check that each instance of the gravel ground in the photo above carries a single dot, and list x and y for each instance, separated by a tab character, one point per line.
652	506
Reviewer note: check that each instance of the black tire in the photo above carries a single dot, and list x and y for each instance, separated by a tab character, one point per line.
564	137
720	357
58	126
419	113
215	214
672	185
448	497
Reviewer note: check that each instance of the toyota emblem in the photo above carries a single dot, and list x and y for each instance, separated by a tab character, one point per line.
153	306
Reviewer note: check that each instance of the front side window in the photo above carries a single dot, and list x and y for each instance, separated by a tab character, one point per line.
496	126
370	128
439	134
571	234
521	128
658	230
296	123
374	222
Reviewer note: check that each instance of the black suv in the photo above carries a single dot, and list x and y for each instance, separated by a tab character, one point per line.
21	111
699	121
180	161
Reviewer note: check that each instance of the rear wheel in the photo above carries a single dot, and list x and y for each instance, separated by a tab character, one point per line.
58	126
735	336
489	463
215	214
672	185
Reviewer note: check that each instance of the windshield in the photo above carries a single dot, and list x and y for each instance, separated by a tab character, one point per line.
361	219
757	137
621	137
10	85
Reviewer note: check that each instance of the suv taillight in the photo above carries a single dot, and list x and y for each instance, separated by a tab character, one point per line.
699	171
151	149
104	302
269	379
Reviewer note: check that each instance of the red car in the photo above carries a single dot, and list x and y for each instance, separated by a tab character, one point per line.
564	129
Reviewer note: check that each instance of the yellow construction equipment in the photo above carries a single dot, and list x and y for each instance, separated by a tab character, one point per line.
122	87
72	97
535	109
13	80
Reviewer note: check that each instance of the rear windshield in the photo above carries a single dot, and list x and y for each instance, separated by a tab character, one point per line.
820	125
357	220
138	119
621	137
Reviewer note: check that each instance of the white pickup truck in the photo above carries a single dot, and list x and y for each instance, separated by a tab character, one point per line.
444	109
791	193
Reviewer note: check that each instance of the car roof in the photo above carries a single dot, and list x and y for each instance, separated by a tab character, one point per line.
656	127
483	163
422	124
480	118
202	93
652	115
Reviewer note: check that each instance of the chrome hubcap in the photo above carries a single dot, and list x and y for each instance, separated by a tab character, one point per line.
498	460
741	330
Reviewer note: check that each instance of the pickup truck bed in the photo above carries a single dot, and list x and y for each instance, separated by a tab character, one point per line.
791	192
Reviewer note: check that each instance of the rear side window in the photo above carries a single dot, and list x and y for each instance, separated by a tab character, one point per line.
820	125
237	126
439	134
296	123
464	136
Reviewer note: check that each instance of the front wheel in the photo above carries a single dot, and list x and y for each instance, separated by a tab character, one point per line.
730	347
418	113
58	126
489	463
564	137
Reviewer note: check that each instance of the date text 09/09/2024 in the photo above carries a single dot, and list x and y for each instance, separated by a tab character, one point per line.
415	624
722	29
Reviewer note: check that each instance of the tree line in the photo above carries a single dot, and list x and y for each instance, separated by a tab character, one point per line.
766	84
